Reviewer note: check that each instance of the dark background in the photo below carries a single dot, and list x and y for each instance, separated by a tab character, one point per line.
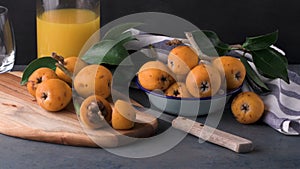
232	20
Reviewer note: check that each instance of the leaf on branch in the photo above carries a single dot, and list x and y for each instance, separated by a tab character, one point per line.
260	42
256	88
110	52
271	64
213	45
48	62
251	74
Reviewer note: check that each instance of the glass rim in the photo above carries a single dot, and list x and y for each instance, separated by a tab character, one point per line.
3	10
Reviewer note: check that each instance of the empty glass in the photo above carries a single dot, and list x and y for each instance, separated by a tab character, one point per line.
7	42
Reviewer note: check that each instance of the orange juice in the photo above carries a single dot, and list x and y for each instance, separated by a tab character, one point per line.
65	31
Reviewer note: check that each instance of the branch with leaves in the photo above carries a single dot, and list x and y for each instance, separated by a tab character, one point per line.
268	61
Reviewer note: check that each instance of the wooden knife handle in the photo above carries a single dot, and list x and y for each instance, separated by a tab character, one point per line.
221	138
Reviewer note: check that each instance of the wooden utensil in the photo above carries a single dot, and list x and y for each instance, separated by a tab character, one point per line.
204	132
216	136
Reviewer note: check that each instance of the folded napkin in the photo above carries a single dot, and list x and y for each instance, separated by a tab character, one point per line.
282	104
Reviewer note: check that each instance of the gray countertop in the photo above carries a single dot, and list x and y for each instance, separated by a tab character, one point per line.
272	150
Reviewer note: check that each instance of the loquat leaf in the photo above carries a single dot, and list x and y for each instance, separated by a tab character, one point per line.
271	64
260	42
48	62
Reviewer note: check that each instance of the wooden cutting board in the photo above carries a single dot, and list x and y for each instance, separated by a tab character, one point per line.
20	116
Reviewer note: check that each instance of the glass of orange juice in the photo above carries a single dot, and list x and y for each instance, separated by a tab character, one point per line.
63	26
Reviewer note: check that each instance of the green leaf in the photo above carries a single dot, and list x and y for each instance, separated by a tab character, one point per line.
281	56
35	64
218	45
116	31
253	75
110	52
260	42
271	64
256	88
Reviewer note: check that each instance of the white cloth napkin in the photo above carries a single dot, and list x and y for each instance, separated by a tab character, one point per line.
282	104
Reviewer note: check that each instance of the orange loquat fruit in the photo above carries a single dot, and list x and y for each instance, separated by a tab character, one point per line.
247	107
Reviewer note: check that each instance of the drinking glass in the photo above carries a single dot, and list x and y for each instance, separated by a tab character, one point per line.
7	42
63	26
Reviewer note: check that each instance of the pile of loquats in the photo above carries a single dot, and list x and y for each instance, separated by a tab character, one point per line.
186	76
92	83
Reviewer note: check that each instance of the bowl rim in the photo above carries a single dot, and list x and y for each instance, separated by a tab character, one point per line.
228	93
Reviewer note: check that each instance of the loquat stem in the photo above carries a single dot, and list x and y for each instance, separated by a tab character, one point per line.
196	47
153	52
174	42
58	58
65	70
60	64
236	47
